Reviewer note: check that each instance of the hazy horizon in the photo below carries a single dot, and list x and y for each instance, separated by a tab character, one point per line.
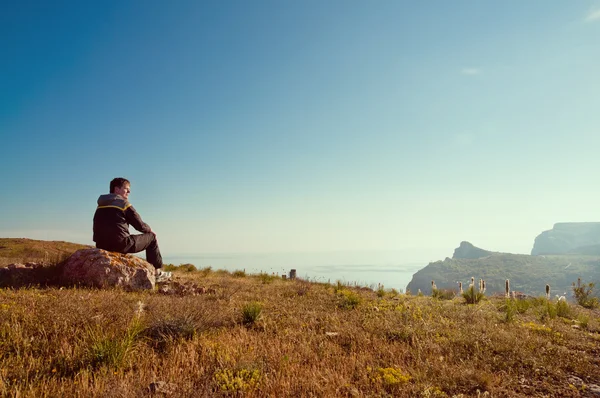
267	126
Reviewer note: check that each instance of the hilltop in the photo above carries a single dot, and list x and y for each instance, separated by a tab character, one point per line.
25	250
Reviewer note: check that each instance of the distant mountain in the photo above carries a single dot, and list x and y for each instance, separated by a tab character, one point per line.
570	237
528	274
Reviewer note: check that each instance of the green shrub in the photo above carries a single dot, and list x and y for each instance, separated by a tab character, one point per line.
188	267
562	309
266	278
510	309
583	320
584	294
380	291
181	267
350	299
162	331
112	351
238	381
523	305
239	273
443	294
206	271
251	312
169	267
471	296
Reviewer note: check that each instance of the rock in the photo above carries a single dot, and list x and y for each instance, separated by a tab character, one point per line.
594	390
101	268
161	387
569	237
30	274
183	289
467	250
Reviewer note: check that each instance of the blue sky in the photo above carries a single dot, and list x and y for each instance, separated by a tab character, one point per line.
279	126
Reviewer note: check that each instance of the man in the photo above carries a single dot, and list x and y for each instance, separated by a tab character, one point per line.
113	216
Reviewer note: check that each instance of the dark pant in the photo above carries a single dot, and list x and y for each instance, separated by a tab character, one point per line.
149	243
137	243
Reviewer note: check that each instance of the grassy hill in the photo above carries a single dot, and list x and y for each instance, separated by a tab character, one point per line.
14	250
260	335
526	273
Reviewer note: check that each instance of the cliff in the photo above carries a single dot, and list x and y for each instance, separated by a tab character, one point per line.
572	237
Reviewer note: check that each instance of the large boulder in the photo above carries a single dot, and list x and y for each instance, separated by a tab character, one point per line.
101	268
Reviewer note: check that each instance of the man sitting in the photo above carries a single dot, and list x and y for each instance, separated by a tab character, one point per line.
113	216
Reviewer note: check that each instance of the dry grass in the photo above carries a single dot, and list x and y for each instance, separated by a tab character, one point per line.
310	340
23	250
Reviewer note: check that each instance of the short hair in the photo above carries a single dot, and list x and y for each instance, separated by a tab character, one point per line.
118	183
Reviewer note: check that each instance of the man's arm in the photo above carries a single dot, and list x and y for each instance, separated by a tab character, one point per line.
134	219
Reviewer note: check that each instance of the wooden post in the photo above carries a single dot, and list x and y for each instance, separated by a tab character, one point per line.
292	274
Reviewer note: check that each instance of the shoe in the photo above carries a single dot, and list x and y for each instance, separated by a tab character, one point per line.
162	276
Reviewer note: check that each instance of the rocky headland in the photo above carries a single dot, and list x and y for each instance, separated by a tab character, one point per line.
559	257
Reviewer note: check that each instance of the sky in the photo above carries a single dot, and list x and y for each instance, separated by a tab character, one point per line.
302	126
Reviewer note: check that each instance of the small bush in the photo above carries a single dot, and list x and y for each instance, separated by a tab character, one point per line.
471	296
169	267
547	310
181	267
521	306
510	309
584	295
443	294
562	309
380	292
339	286
238	381
583	320
206	271
303	288
251	312
391	378
112	351
163	331
350	299
266	278
239	273
188	267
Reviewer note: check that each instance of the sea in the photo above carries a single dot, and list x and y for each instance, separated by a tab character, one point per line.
370	269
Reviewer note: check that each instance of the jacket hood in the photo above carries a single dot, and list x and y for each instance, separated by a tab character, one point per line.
112	199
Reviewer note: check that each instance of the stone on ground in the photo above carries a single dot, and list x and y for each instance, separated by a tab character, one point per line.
101	268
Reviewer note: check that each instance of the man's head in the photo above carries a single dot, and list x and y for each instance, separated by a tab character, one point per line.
120	186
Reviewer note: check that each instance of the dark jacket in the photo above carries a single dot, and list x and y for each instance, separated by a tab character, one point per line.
113	216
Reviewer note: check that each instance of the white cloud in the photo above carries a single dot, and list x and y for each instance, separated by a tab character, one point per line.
471	71
593	15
